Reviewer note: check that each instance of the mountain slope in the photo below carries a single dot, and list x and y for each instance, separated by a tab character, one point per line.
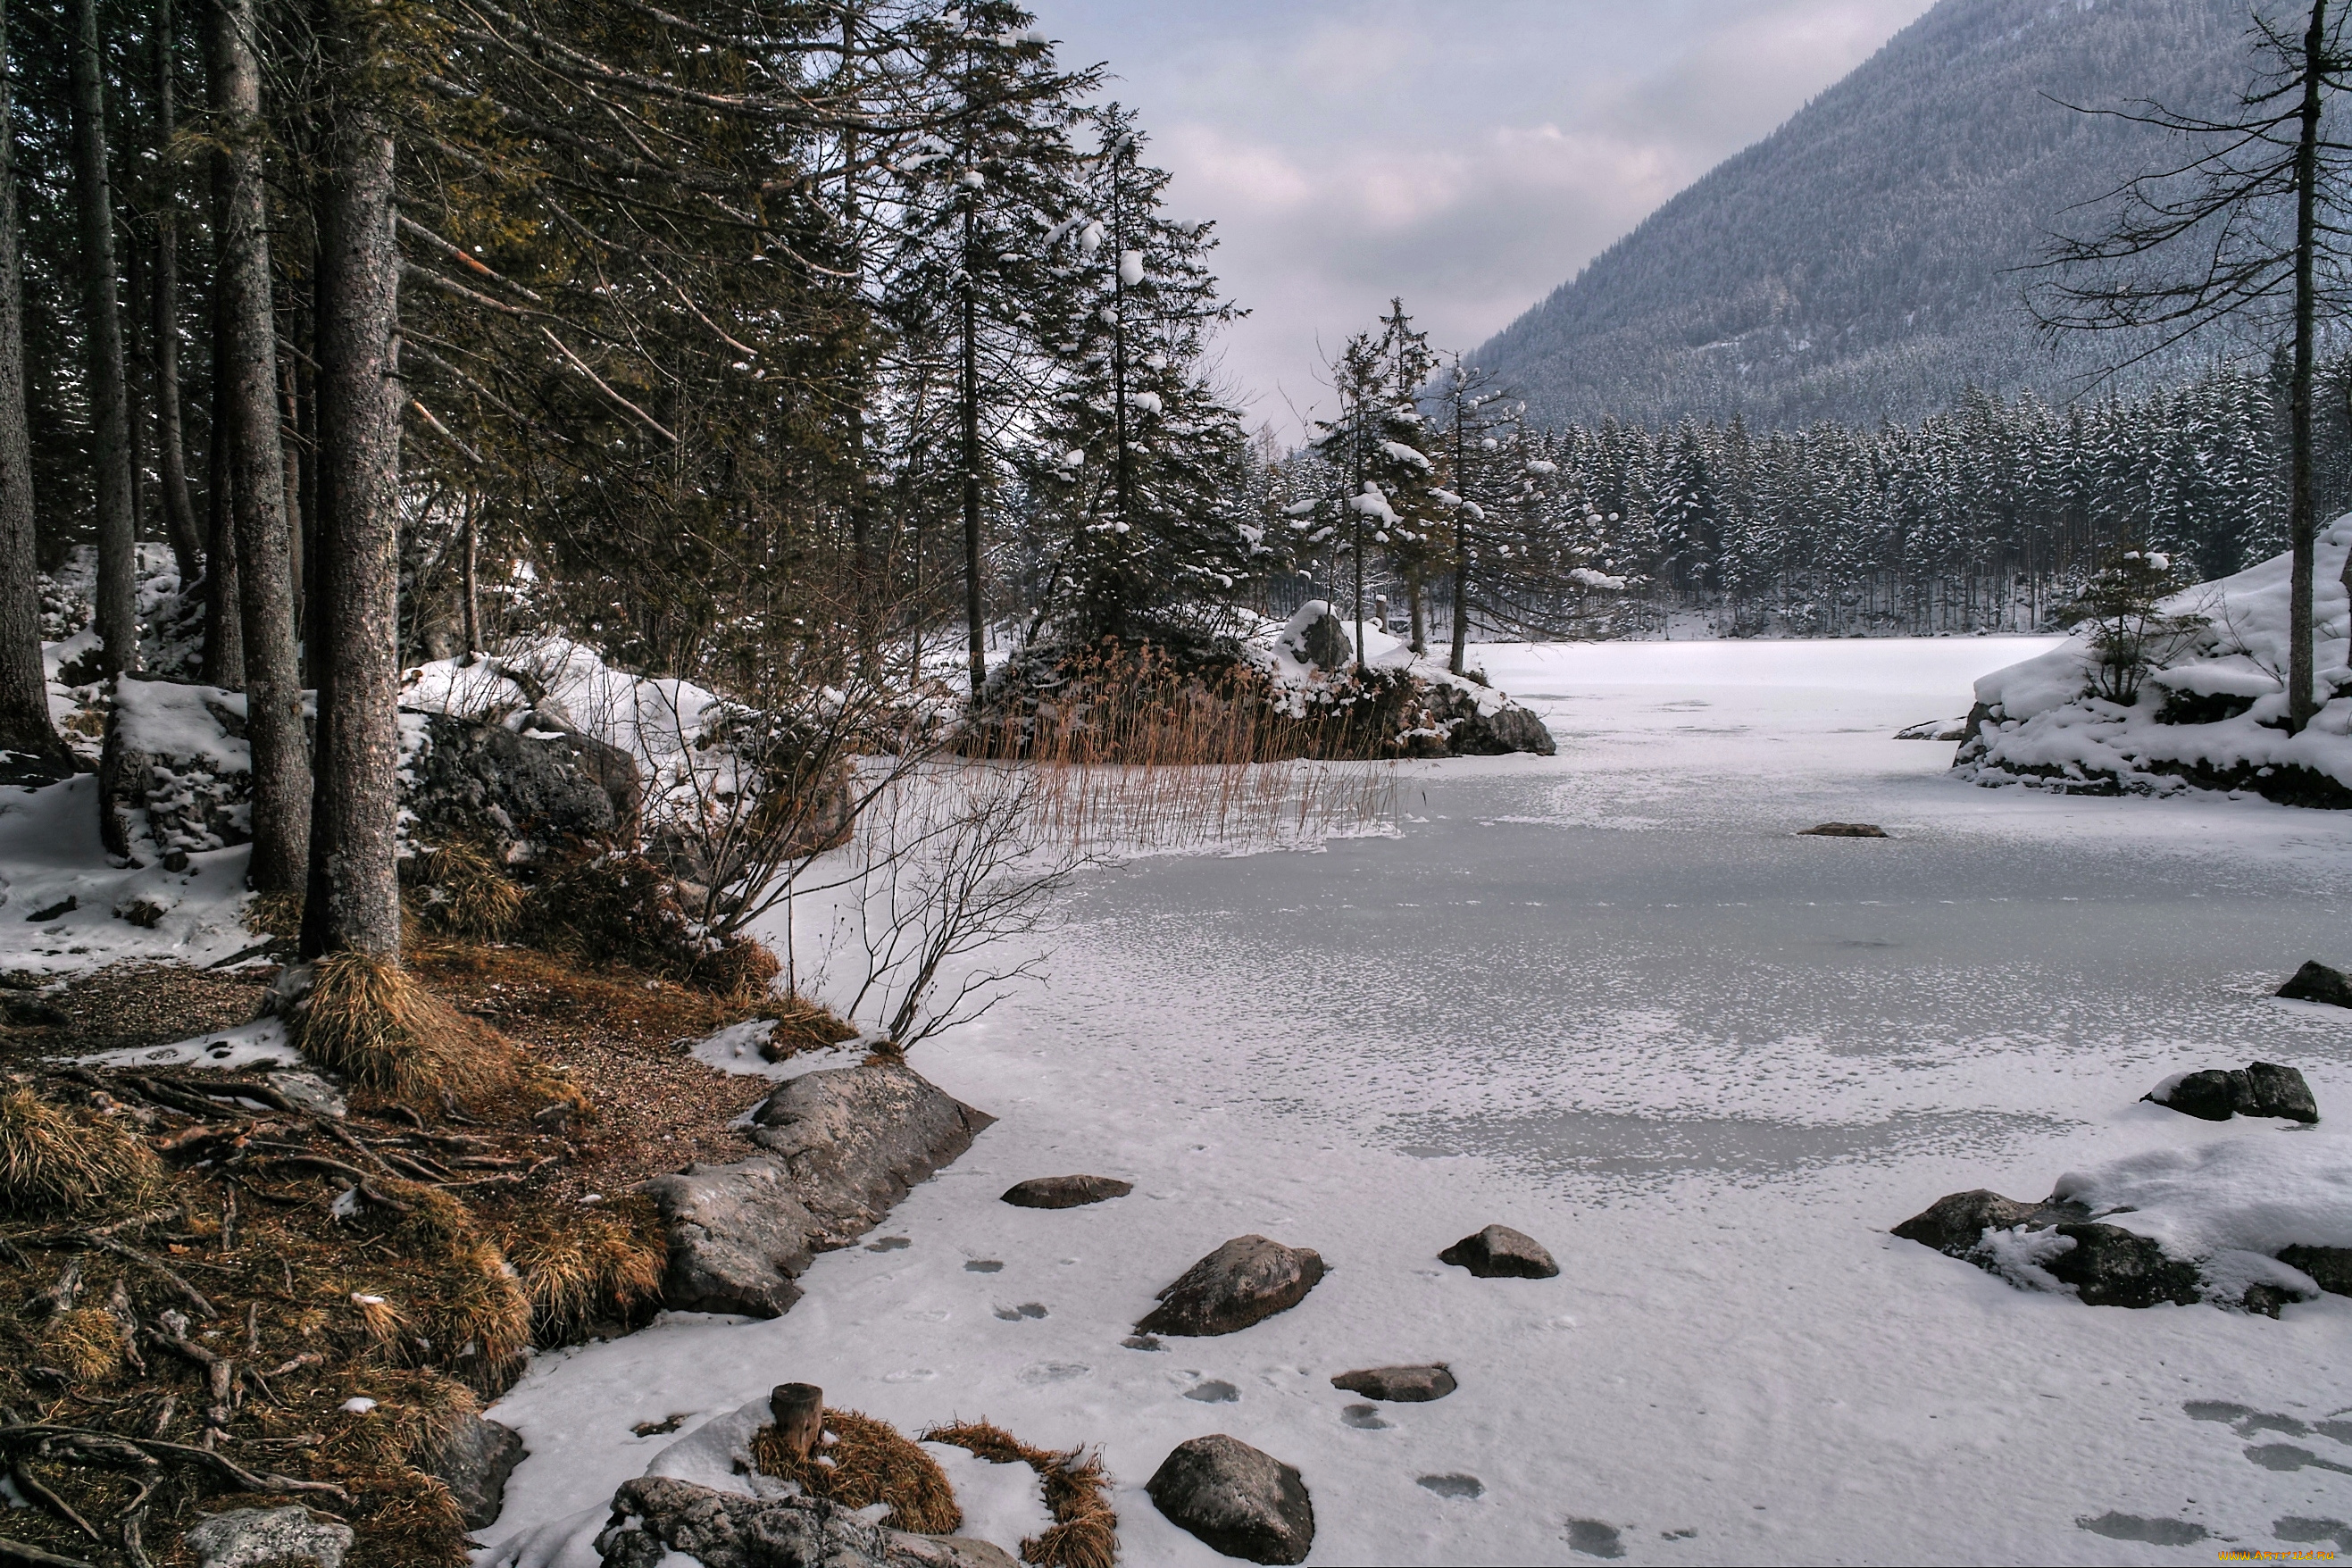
1857	263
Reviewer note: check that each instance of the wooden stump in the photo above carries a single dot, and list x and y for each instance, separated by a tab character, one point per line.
798	1410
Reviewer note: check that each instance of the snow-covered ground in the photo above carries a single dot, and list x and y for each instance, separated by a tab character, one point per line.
1609	998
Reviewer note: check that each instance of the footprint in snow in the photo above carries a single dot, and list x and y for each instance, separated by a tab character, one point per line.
983	1265
2304	1530
1592	1538
1364	1417
1214	1392
2293	1457
1045	1371
1455	1485
890	1244
910	1374
1026	1309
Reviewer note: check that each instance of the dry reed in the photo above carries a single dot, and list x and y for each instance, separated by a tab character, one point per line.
1077	1487
605	1263
53	1160
462	892
872	1462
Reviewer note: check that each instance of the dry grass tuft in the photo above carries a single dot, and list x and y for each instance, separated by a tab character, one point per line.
416	1413
86	1344
52	1159
464	893
375	1024
1078	1494
802	1025
873	1462
606	1264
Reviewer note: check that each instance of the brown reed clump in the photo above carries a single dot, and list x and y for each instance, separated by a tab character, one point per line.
373	1023
1085	1533
85	1344
53	1160
871	1462
277	913
605	1263
463	893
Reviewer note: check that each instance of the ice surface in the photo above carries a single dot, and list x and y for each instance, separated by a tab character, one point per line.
1607	998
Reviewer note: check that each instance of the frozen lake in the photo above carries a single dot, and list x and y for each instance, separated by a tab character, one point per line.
1613	999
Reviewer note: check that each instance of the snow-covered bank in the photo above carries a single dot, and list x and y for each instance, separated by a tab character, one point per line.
2209	712
1610	999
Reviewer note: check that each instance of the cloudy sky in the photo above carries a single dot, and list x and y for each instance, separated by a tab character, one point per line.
1469	157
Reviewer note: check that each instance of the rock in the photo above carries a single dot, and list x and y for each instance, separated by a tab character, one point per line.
269	1538
32	1013
2111	1267
1324	643
656	1515
1843	830
474	1463
308	1092
2315	982
841	1147
2280	1091
1498	1252
2330	1267
948	1551
1935	730
1955	1225
175	771
1473	732
738	1235
30	770
1246	1280
1242	1502
1399	1384
530	783
2259	1089
1065	1191
855	1139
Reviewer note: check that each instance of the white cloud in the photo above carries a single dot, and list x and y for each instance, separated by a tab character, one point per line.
1469	161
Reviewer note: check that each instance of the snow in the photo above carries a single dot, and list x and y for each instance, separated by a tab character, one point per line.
2046	720
736	1049
164	717
1608	998
2259	1192
261	1042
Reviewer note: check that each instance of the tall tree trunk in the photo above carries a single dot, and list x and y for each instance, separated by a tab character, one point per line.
163	328
118	611
353	901
245	402
472	580
968	390
2303	525
1458	654
24	723
223	624
290	428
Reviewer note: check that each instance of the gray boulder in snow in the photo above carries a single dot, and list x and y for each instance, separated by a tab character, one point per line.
738	1235
948	1551
269	1538
2259	1088
1065	1191
529	782
1955	1225
1399	1384
840	1147
1246	1280
1498	1252
1474	732
474	1463
855	1139
2315	982
2111	1267
2330	1267
655	1515
1324	643
1242	1502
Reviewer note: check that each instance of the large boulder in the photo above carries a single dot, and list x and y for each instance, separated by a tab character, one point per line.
2107	1265
1242	1502
655	1515
1955	1225
286	1537
175	771
2111	1267
840	1147
1246	1280
1498	1252
1482	723
1321	640
738	1235
474	1463
2259	1088
2315	982
855	1139
528	782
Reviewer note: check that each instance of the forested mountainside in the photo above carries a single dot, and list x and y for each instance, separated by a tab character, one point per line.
1857	264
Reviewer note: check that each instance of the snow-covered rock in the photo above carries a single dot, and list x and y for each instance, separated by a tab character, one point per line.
175	776
2259	1089
527	783
1306	662
656	1517
2211	715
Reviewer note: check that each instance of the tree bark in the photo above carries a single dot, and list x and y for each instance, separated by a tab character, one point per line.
472	578
163	327
353	902
24	723
968	390
118	612
2303	529
245	400
224	627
